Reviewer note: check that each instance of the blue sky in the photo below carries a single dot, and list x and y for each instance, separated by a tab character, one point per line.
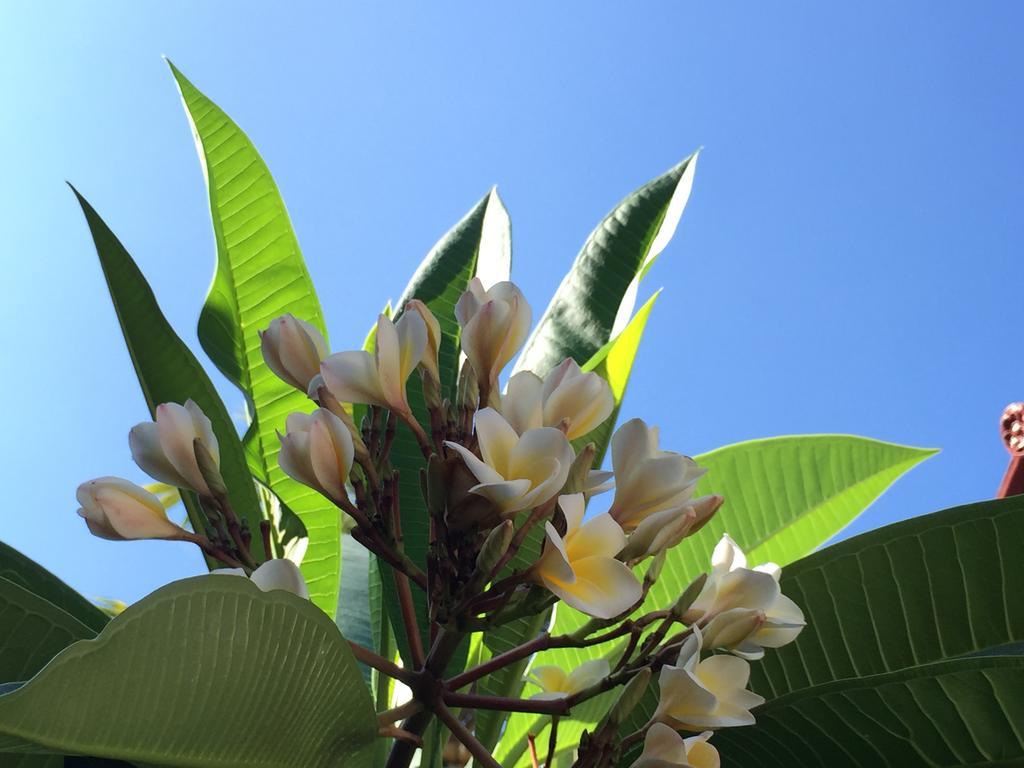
844	264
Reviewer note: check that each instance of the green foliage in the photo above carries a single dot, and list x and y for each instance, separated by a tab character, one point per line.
29	575
167	369
601	286
260	276
922	590
953	713
208	671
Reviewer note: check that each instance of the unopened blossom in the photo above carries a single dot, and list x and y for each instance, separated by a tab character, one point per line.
647	479
118	509
732	592
665	748
165	448
517	471
433	345
494	323
711	693
581	567
317	451
280	574
293	349
555	683
379	379
582	400
663	530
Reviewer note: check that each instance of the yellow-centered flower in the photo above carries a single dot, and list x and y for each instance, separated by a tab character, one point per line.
664	748
582	400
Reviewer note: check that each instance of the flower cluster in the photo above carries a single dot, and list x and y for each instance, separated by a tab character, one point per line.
506	479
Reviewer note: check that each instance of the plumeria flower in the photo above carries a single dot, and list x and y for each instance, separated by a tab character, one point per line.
648	480
379	379
663	530
165	449
433	346
598	481
317	451
516	472
118	509
583	400
734	594
555	683
699	694
664	748
274	574
293	349
581	567
494	323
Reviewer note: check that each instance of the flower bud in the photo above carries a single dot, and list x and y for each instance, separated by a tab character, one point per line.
731	628
495	545
118	509
319	392
293	349
280	574
579	474
494	323
630	697
165	449
317	451
208	469
433	346
690	594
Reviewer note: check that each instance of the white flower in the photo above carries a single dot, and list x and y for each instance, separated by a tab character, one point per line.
380	378
494	323
699	694
555	683
517	472
581	567
663	530
648	480
118	509
274	574
317	451
734	596
584	400
165	449
433	346
293	349
664	748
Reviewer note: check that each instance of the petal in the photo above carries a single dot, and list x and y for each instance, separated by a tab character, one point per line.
497	440
682	696
412	342
573	506
177	431
663	743
204	429
587	674
743	588
147	453
604	587
280	574
133	512
481	471
549	678
521	405
329	460
723	675
507	495
293	458
601	536
727	555
541	443
352	378
599	481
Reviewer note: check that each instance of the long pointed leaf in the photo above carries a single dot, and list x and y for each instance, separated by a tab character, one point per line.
166	368
260	276
596	297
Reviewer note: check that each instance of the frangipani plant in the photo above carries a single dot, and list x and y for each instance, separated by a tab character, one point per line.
406	566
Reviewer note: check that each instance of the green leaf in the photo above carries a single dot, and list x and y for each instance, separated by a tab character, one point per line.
26	573
954	713
596	297
260	276
275	682
34	631
354	617
925	589
478	244
166	368
614	363
785	496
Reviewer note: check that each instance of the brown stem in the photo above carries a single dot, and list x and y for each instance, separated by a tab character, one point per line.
420	434
378	662
399	713
409	619
396	733
207	546
268	549
532	706
531	740
480	753
552	743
